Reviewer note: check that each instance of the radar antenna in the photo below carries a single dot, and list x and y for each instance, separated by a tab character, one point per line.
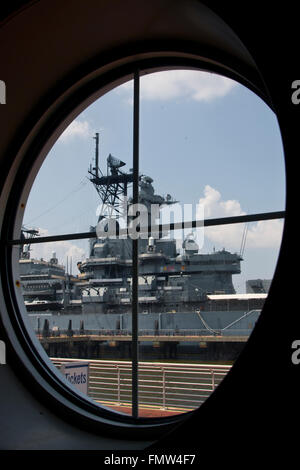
112	188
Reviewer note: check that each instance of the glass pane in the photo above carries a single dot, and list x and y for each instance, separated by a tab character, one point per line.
78	293
206	148
189	149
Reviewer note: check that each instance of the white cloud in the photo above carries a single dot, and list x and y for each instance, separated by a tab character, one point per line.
263	234
77	128
192	84
214	206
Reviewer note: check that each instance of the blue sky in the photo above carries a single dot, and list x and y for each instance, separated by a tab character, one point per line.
203	138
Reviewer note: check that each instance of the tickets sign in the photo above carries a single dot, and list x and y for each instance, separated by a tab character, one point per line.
77	374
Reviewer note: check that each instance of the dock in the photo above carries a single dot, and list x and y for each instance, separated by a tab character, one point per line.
111	345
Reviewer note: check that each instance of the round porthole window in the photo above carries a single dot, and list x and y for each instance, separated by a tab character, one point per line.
144	244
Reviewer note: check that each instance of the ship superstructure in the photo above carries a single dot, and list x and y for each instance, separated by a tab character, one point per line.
169	280
45	283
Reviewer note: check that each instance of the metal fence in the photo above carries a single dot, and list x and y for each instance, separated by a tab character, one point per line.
161	385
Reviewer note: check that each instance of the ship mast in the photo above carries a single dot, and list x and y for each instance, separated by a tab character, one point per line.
112	188
96	168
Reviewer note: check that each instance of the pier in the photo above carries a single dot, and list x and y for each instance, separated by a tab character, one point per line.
183	345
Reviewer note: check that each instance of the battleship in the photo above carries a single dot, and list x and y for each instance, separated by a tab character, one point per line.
180	290
46	285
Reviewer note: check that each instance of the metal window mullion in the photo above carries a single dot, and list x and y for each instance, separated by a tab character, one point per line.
135	246
157	228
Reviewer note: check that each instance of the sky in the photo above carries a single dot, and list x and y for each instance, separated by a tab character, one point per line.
205	139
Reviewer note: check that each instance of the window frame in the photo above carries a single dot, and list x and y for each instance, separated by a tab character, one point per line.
28	354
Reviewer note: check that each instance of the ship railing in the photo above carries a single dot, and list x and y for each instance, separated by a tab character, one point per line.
167	386
144	333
